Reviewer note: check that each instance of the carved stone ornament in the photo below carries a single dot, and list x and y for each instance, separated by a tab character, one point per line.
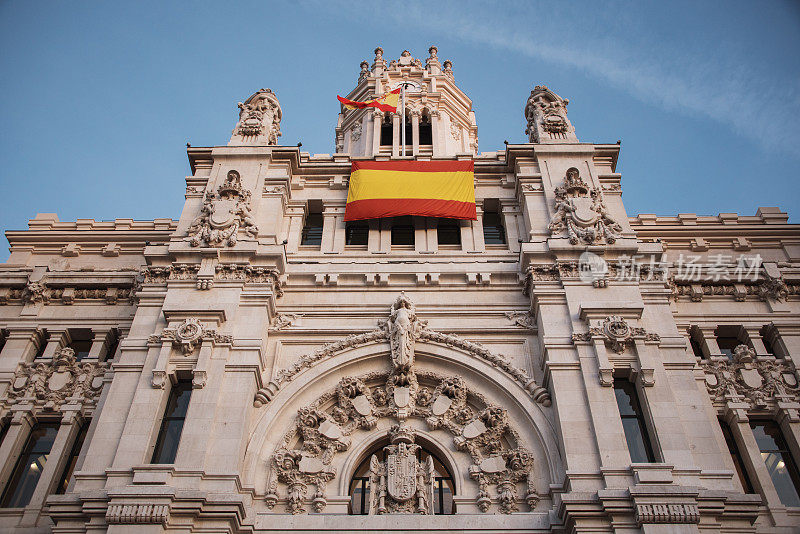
63	380
355	133
538	393
400	484
137	514
189	335
617	333
582	214
761	382
223	214
260	115
455	131
546	115
283	320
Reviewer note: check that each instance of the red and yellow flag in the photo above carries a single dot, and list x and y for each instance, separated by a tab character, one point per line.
387	102
393	188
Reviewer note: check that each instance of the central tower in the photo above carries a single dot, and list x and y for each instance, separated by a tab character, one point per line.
439	121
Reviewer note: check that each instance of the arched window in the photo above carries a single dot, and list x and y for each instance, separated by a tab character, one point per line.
443	490
425	130
387	132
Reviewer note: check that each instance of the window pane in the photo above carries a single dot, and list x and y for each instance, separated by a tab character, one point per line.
171	427
312	231
356	233
493	231
633	422
29	466
737	458
448	232
73	459
780	465
403	231
387	131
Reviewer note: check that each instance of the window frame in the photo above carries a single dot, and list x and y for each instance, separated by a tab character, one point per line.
178	389
642	421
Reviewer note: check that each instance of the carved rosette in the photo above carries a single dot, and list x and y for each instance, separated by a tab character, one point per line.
189	335
402	485
223	214
763	383
617	333
582	214
49	385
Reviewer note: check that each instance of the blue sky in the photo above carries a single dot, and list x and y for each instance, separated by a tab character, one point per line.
97	100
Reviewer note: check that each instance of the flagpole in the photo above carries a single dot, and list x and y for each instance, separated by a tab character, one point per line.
403	120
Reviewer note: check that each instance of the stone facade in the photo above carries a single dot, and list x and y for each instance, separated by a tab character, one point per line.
495	361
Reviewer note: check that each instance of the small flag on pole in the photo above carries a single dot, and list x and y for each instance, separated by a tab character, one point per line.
387	102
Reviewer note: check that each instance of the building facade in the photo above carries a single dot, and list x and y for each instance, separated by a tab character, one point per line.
259	365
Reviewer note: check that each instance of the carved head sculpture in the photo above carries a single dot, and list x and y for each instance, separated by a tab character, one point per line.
574	184
743	354
433	51
378	53
405	53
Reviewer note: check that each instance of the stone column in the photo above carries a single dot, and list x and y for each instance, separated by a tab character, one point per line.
100	343
374	239
396	137
472	233
328	229
509	212
56	340
415	132
710	341
754	335
377	120
20	346
296	212
71	421
22	420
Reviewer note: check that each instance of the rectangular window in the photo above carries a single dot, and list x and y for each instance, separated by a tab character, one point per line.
738	463
29	466
728	338
356	233
779	461
493	231
448	231
63	481
768	336
80	342
312	230
172	425
633	422
695	338
403	231
112	344
387	130
425	131
42	344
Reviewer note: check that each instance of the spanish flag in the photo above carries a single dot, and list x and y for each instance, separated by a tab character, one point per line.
393	188
387	102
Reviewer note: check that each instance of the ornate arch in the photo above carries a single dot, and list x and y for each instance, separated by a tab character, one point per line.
302	463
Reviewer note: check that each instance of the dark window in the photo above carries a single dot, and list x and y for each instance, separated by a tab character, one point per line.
767	337
2	340
633	422
387	132
728	339
409	138
63	482
738	463
425	131
493	231
695	337
172	425
42	344
403	231
80	342
112	344
29	466
448	231
312	230
443	488
779	461
356	233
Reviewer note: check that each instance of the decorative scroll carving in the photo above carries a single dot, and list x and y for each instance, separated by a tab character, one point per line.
400	484
616	332
581	212
260	115
63	380
284	320
761	382
189	335
133	514
521	319
546	115
223	214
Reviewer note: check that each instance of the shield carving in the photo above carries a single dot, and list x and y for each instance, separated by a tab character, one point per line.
751	378
223	213
441	405
582	213
402	396
362	405
59	380
401	473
